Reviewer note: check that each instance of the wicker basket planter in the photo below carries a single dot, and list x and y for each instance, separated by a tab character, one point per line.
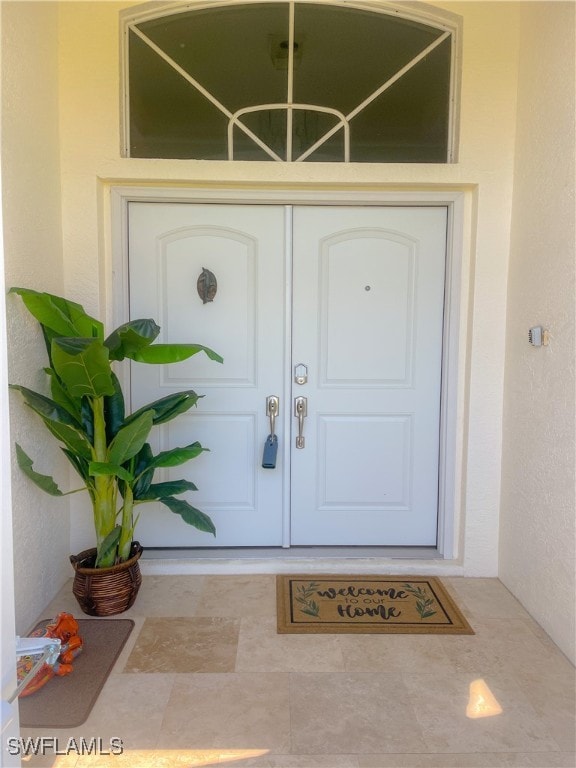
106	591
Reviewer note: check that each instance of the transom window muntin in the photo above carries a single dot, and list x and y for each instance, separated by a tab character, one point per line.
332	100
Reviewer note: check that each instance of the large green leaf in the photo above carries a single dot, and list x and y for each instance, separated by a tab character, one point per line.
72	438
177	456
98	468
190	514
45	482
58	421
83	366
130	439
48	335
45	407
63	317
87	415
80	464
114	411
169	488
61	396
142	471
168	407
162	354
127	339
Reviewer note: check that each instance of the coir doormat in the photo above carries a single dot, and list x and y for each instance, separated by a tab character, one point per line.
363	604
66	702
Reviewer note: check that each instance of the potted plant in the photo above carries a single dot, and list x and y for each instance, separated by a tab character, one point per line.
107	447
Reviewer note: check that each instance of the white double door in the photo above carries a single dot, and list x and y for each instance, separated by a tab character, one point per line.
341	307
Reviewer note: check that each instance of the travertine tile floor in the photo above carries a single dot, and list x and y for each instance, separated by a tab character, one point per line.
227	690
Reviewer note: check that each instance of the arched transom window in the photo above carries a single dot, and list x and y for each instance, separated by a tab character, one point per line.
290	82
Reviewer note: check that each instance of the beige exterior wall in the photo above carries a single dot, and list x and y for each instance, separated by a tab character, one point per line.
87	104
9	721
90	120
33	258
537	549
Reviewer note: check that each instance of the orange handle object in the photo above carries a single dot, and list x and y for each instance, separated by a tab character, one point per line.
70	650
39	680
64	627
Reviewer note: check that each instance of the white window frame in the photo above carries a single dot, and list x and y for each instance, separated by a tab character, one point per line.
448	23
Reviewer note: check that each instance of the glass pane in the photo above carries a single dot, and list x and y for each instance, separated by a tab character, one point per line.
347	54
408	123
308	127
169	118
270	126
229	50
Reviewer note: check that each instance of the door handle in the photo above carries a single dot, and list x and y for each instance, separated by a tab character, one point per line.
272	408
271	444
300	411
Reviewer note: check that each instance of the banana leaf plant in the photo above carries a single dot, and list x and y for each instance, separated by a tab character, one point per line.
107	447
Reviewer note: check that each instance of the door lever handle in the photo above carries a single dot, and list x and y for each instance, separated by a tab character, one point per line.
272	408
300	411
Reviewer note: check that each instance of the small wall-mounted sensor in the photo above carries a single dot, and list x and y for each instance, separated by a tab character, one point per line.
537	336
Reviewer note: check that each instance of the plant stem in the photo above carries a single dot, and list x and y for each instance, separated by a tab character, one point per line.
127	532
104	501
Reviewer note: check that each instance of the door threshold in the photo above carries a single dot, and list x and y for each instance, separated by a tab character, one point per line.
291	553
182	561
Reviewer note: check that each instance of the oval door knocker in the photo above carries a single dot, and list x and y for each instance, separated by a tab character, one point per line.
207	285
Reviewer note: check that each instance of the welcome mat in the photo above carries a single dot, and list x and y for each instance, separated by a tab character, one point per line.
363	604
65	702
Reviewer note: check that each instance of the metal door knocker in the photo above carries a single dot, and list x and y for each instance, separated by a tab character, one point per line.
207	285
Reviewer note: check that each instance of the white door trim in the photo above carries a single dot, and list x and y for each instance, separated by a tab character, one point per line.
459	264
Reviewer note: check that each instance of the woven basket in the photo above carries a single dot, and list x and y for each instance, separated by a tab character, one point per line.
106	591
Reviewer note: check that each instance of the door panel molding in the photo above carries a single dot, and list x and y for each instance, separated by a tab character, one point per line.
333	276
231	433
332	487
460	201
238	293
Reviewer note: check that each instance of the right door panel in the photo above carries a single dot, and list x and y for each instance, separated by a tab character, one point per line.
368	323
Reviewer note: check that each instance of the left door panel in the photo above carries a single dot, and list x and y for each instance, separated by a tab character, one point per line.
170	244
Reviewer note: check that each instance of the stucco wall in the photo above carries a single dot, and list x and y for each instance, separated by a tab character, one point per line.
67	110
90	101
537	551
9	725
33	258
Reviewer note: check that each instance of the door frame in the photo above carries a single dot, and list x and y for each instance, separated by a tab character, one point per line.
459	201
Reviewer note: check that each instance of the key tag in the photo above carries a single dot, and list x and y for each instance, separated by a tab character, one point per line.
270	451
